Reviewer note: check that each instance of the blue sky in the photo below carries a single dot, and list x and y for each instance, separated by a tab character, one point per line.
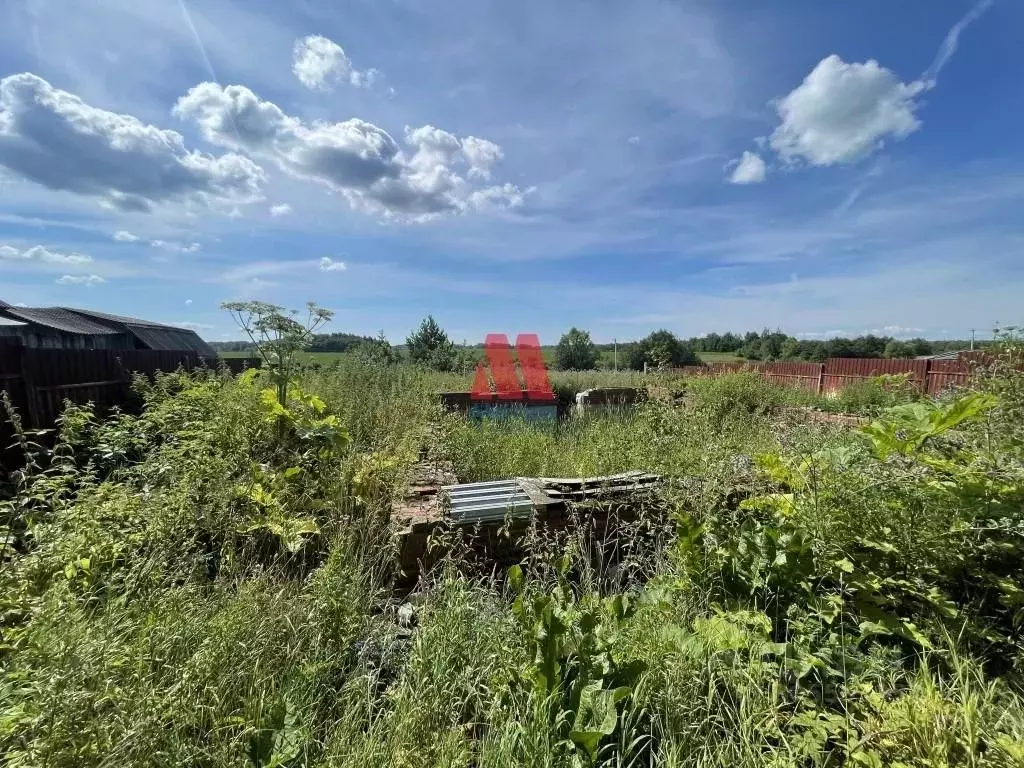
819	167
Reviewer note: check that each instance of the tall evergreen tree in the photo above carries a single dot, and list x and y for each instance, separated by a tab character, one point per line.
429	345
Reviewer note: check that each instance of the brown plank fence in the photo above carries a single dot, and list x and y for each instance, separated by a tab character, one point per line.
836	373
38	381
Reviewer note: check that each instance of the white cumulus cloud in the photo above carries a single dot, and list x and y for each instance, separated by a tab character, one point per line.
88	281
433	173
124	236
842	112
280	210
749	170
53	138
320	63
481	155
38	253
327	264
175	247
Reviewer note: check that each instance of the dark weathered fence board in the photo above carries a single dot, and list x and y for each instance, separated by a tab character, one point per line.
39	381
12	382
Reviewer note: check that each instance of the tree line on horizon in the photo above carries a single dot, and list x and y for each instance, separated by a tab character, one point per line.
430	345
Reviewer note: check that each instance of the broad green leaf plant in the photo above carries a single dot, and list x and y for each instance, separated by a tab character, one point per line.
278	338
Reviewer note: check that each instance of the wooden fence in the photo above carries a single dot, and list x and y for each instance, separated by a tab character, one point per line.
38	381
928	376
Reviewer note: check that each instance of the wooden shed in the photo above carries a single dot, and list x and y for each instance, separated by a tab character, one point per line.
67	328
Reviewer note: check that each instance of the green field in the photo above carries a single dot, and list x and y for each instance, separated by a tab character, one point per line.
548	353
720	357
211	582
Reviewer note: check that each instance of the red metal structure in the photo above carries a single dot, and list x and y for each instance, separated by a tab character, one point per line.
929	376
535	387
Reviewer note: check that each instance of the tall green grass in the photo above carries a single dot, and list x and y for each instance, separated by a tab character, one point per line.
184	588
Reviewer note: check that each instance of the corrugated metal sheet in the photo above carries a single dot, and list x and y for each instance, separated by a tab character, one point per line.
110	318
793	374
43	337
60	319
842	371
930	375
603	488
497	499
471	502
154	335
170	338
946	374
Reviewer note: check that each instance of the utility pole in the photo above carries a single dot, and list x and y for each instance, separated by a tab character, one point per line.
615	348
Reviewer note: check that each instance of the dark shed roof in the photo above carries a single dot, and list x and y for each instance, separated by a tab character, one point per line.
122	319
91	323
60	319
169	337
155	335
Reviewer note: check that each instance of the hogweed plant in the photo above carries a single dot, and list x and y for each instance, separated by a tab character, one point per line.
278	338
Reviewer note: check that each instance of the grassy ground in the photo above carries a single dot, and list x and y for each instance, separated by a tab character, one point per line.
200	586
720	357
325	358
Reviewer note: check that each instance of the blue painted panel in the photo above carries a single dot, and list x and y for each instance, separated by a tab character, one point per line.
513	411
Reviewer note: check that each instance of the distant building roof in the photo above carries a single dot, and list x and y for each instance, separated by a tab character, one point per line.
955	355
92	323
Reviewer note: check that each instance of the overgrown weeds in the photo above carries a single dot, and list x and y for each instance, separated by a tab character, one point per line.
200	585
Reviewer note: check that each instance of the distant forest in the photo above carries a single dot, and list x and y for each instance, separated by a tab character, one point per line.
776	345
322	342
754	345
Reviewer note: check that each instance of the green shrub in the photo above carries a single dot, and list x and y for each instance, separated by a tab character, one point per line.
873	395
742	394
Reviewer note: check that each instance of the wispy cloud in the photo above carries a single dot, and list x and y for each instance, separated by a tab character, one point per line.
38	253
952	40
896	331
89	281
175	247
192	326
